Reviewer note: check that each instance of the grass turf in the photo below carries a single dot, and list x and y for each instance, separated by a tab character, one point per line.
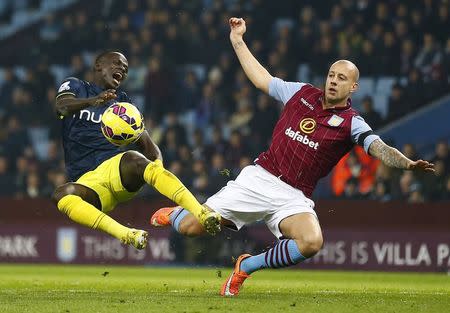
69	289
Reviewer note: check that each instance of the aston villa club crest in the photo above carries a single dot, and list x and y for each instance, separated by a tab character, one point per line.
335	120
66	244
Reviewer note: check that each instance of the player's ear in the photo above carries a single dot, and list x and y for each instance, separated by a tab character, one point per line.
97	66
354	87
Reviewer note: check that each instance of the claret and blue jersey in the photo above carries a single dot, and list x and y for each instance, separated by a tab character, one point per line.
308	140
84	145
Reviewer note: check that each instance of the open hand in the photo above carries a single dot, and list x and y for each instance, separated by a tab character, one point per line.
421	165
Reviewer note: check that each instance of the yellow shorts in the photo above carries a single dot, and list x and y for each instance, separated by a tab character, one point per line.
105	181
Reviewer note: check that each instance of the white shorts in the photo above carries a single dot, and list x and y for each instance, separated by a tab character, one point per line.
258	195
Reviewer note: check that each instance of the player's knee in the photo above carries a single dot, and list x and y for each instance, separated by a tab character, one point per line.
135	162
310	244
62	191
190	227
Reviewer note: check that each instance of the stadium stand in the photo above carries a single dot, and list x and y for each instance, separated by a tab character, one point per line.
185	79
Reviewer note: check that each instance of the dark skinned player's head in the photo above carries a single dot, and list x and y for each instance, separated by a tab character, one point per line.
110	69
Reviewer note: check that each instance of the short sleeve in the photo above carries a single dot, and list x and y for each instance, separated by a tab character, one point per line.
70	86
283	91
362	133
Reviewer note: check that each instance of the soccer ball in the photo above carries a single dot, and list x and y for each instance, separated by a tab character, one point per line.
122	124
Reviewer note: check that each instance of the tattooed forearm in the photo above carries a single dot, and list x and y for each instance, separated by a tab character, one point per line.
388	155
238	44
257	74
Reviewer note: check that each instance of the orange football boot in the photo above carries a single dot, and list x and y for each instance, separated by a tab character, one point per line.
210	220
162	217
234	282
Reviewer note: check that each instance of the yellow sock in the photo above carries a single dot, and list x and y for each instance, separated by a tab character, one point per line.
170	186
86	214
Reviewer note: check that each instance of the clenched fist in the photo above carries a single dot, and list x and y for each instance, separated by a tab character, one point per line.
237	26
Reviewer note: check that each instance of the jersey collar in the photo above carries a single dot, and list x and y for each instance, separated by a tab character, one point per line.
320	101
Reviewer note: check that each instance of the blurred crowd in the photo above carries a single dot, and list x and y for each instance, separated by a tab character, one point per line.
358	176
207	118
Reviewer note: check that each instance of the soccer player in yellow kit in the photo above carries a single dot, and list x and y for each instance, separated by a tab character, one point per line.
101	174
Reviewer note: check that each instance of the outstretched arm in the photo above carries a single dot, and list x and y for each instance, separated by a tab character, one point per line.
257	74
68	104
394	158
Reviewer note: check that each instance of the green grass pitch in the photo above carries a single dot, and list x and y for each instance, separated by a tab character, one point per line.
70	289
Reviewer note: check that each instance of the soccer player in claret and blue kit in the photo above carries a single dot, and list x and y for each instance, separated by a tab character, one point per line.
101	174
315	130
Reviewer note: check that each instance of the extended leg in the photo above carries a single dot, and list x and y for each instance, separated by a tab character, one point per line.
304	241
135	168
83	206
181	220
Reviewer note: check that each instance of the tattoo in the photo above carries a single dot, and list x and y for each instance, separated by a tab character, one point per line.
388	155
238	44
